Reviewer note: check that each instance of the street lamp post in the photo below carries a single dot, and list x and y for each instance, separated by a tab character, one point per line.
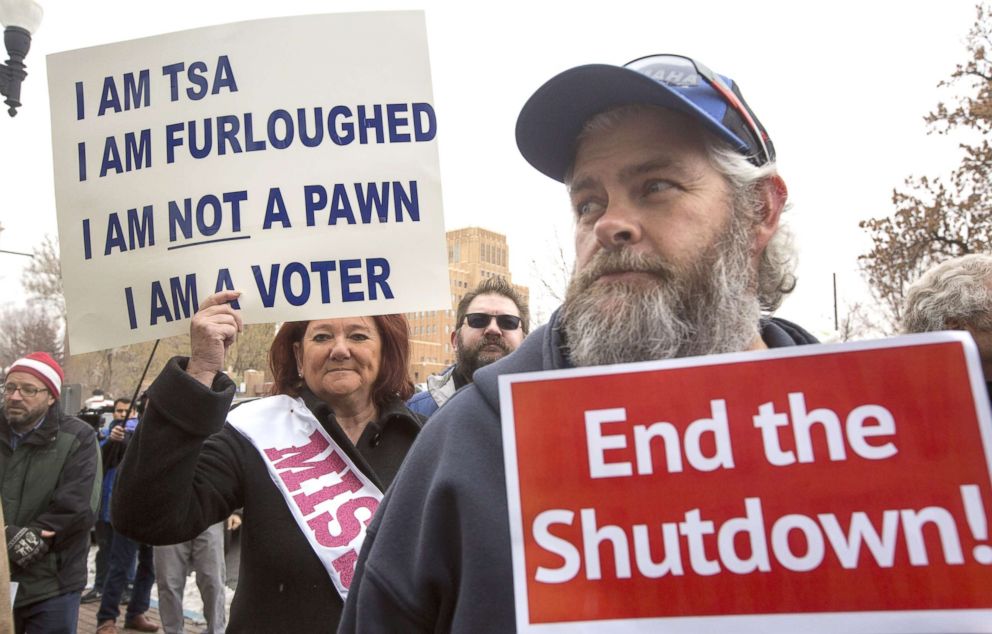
20	19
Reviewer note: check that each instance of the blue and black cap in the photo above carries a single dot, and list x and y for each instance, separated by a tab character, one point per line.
553	117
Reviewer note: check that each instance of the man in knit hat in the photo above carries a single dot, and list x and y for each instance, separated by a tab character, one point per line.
49	466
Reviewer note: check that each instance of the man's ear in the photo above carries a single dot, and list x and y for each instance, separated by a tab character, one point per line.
774	195
454	339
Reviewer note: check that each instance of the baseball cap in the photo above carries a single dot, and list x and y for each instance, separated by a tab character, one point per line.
553	117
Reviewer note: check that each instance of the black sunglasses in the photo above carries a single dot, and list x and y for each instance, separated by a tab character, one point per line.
482	320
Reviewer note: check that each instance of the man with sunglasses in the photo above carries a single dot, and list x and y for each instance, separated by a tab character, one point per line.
491	321
677	199
50	482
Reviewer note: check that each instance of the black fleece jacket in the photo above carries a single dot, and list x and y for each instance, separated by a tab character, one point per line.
186	469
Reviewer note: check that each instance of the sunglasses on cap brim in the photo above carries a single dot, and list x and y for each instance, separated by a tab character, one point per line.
678	71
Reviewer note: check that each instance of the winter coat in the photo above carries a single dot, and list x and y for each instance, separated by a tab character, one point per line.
186	468
52	482
440	387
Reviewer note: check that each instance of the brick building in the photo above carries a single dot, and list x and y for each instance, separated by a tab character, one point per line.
473	255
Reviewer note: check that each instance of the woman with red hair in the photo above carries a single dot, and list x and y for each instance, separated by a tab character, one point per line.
309	463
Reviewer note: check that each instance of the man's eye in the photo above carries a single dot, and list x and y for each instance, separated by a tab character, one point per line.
656	186
588	207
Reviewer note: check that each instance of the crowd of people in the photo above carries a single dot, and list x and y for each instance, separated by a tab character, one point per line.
357	513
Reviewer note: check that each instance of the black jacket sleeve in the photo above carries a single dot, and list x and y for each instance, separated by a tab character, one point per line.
181	471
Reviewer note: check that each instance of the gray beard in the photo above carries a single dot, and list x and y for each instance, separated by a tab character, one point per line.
708	308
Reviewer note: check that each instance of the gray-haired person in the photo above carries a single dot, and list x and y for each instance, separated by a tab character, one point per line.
955	295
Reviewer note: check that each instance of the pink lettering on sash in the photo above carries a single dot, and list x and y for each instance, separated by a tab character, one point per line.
345	567
306	503
350	525
306	456
303	458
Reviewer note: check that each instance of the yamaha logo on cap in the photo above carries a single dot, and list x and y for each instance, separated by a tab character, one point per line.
671	75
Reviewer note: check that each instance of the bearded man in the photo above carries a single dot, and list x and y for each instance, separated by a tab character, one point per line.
50	484
677	201
490	322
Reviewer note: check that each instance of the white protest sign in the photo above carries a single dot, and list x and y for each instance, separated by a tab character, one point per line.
294	159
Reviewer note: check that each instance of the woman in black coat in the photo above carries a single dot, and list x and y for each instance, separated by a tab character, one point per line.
308	464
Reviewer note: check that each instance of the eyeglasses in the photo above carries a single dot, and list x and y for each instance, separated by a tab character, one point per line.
684	72
482	320
25	390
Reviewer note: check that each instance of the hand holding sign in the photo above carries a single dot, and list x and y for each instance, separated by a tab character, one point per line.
179	173
212	330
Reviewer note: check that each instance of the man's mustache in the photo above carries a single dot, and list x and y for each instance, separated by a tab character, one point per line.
492	340
622	261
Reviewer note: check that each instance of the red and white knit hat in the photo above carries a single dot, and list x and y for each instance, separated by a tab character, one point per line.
44	368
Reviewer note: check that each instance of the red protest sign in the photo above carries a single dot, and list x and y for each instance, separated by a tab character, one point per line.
832	487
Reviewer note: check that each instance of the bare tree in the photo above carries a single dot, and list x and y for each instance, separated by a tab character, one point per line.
42	278
552	271
251	349
939	218
25	330
859	323
117	370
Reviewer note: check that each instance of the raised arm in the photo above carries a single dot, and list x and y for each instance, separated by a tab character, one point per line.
182	470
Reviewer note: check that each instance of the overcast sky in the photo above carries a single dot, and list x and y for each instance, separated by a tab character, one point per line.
842	88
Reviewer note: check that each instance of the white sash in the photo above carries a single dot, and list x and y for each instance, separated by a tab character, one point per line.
330	498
